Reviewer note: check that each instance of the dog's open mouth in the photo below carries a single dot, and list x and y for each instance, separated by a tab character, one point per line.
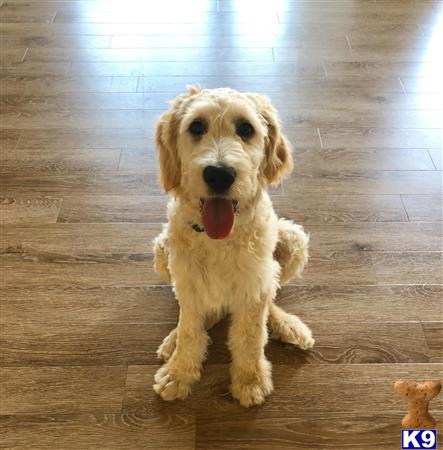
218	216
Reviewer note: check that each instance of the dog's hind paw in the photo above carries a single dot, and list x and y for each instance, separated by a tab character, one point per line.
167	347
289	328
252	387
170	386
297	333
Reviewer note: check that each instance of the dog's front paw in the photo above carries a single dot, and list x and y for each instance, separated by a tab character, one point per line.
251	386
172	383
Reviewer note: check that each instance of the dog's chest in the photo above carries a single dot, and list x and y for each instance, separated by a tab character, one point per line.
244	255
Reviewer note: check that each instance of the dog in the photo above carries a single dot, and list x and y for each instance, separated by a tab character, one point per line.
224	250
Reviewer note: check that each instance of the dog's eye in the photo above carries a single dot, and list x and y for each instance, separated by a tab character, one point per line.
245	130
197	128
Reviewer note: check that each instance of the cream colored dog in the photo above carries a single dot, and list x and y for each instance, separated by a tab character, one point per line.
224	250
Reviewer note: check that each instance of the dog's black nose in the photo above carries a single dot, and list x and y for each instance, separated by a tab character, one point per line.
219	178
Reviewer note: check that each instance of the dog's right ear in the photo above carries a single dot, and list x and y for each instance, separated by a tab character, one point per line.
166	140
166	131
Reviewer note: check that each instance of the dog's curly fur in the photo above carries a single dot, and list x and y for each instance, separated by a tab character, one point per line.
238	275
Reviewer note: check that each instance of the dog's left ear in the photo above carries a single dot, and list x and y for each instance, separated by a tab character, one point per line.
277	162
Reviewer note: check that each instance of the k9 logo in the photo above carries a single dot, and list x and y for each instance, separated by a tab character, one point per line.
418	439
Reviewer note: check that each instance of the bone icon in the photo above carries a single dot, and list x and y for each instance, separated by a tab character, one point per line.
418	396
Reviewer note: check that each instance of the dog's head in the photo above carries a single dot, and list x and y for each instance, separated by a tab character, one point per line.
218	147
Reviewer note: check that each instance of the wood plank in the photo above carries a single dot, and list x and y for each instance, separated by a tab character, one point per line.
380	40
367	54
382	137
58	161
152	54
333	303
107	208
349	15
365	159
179	15
40	85
363	103
78	239
378	268
153	304
187	68
105	183
222	30
122	305
366	183
61	390
66	41
374	69
64	344
327	239
434	337
84	102
304	105
119	119
77	256
99	430
53	138
366	386
29	209
256	39
285	84
56	68
64	271
339	208
423	207
373	121
103	6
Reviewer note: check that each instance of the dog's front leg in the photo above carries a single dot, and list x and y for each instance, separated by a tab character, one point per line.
251	379
175	378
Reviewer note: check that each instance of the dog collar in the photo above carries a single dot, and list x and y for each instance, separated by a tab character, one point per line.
197	228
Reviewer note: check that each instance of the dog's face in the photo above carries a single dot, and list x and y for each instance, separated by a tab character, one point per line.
218	147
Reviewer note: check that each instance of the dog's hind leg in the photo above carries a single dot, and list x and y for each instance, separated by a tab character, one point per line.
288	328
167	347
161	255
291	251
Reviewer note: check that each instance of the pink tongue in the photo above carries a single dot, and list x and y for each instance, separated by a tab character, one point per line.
218	217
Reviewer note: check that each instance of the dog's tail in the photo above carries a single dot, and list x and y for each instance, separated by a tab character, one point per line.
292	250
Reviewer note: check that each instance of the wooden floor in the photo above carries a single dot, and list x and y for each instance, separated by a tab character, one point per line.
358	84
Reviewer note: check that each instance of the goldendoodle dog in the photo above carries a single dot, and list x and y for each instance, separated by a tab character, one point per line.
224	250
